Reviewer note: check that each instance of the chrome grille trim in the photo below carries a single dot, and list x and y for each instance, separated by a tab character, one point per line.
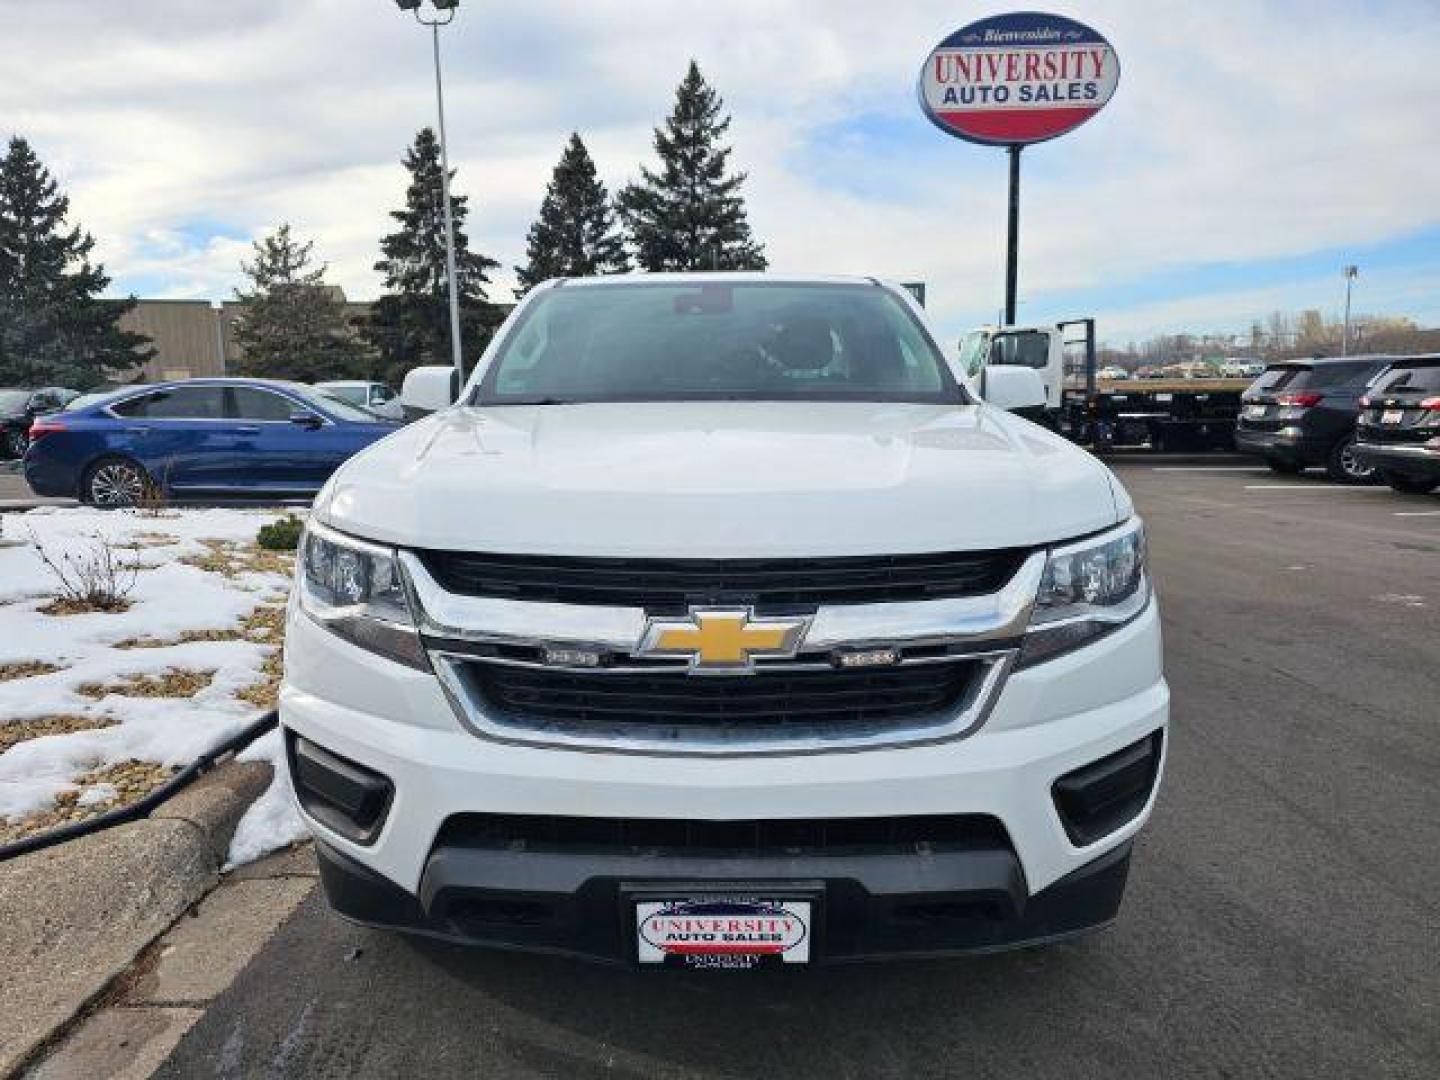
985	628
993	617
654	740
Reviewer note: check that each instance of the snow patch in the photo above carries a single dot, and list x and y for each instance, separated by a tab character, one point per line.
272	822
170	598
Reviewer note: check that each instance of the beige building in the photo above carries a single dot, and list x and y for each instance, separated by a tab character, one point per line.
194	338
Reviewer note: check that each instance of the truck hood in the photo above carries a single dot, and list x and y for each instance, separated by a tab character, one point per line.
724	479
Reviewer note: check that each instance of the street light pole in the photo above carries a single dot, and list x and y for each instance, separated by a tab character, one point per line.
445	16
1351	272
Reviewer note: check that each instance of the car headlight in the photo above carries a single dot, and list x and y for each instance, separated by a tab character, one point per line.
1089	588
356	591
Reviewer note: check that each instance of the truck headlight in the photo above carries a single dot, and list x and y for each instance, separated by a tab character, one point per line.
1089	588
355	590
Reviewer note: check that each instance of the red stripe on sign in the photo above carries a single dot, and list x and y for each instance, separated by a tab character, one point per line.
738	950
1020	123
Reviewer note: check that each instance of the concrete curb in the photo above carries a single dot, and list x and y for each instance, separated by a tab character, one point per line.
75	916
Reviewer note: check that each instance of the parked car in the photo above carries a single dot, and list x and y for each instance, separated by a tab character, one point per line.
82	401
1398	432
230	438
1112	372
1234	368
1302	412
18	410
377	397
721	612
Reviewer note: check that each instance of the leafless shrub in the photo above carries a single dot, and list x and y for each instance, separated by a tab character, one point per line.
153	501
98	578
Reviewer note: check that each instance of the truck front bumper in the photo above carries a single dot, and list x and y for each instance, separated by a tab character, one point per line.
410	773
868	907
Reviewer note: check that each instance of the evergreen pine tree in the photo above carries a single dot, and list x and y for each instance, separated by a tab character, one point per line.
575	234
690	216
293	325
410	324
54	328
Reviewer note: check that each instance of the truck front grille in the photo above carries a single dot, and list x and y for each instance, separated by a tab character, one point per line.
671	585
767	699
776	708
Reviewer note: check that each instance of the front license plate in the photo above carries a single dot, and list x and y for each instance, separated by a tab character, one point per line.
723	931
1392	416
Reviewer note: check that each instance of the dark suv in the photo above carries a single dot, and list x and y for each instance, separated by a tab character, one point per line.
18	410
1398	433
1302	412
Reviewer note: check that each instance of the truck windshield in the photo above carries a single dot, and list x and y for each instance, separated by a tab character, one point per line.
750	341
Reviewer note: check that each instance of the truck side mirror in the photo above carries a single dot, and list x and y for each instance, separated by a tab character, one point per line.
429	389
1013	388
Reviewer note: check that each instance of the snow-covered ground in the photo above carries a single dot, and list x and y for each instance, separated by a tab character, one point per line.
171	599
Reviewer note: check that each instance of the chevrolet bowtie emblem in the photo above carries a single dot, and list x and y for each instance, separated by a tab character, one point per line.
722	639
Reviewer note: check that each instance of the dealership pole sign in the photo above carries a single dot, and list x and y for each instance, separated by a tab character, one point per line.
1011	80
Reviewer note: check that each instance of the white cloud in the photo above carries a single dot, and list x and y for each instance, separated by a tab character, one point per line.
1240	132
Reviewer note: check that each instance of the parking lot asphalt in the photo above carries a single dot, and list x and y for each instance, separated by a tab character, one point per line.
1283	917
15	494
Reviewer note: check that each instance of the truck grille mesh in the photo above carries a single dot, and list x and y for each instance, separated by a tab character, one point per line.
672	585
764	702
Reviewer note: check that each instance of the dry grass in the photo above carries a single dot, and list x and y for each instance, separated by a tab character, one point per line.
155	539
175	683
26	669
264	626
65	606
132	780
231	558
18	731
265	694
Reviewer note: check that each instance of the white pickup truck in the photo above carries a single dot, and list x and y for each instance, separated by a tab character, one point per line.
725	621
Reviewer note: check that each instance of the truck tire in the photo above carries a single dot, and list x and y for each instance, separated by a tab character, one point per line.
1410	485
1345	467
1284	468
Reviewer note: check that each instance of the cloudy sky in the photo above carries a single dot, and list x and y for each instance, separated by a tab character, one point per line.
1251	149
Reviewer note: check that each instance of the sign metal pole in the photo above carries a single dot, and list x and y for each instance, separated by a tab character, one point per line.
1012	243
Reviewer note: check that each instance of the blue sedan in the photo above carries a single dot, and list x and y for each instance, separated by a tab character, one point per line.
198	439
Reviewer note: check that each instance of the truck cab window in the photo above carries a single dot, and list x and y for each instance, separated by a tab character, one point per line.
1023	348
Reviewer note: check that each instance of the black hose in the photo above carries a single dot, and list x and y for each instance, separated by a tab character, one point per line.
141	807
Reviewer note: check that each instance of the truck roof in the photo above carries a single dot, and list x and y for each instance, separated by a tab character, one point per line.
719	277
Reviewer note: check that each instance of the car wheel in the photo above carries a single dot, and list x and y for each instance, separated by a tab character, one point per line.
1346	467
1284	468
116	482
16	443
1410	485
